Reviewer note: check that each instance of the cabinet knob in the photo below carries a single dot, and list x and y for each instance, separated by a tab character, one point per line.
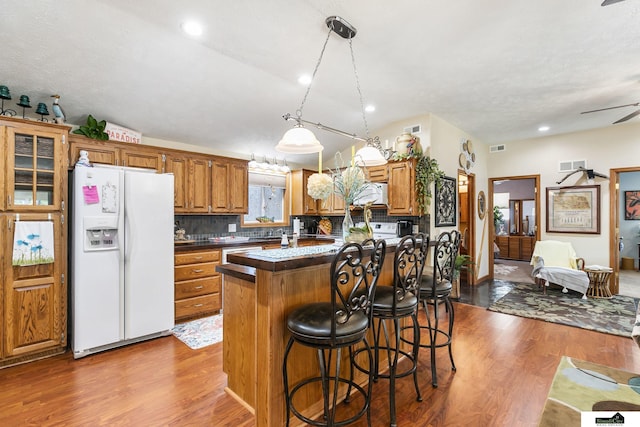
198	287
198	305
197	270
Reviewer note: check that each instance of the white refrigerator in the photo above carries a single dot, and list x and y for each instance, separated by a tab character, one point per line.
122	257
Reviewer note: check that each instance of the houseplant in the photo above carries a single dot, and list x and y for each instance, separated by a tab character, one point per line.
462	262
498	219
93	129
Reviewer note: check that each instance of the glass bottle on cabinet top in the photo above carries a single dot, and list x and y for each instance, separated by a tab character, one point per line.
35	182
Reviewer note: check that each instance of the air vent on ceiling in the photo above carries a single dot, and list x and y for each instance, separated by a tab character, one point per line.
571	165
413	129
497	148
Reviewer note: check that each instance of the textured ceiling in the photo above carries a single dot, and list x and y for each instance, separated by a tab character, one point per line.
496	69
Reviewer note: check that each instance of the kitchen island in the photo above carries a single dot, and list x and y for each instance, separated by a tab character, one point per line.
197	284
255	333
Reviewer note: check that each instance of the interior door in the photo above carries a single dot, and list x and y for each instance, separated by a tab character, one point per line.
466	221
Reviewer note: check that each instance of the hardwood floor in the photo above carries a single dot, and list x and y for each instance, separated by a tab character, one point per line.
505	368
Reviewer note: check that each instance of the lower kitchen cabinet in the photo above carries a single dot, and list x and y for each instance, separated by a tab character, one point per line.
197	284
34	296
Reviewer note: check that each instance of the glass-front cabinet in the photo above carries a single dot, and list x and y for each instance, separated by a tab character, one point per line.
34	168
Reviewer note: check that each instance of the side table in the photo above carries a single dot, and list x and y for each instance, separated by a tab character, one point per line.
599	282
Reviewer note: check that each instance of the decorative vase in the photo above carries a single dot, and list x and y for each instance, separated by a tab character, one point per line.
347	224
455	288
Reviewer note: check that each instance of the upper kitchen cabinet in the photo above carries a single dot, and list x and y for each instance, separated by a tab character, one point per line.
35	159
191	182
378	173
229	186
402	180
333	205
301	202
114	153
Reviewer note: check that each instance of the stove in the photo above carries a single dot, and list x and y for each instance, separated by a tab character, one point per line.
383	230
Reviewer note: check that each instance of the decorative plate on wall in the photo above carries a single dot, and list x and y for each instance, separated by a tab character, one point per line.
482	205
467	157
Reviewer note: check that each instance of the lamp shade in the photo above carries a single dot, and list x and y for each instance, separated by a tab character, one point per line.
299	141
369	156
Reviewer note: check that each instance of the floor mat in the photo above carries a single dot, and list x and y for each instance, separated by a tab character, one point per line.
612	316
200	332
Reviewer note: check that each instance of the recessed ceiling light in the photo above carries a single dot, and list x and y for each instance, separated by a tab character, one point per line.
543	128
192	28
370	108
304	79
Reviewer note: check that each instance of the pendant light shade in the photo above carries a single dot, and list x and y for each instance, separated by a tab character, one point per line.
369	156
299	140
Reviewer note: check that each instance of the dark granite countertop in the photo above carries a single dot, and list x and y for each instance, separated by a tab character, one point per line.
290	259
254	241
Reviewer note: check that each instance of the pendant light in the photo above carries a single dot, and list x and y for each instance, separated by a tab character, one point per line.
301	140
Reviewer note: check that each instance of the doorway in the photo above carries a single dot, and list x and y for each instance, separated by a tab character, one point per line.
466	223
624	245
514	204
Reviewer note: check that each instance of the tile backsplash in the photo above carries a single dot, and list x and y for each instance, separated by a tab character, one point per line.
201	227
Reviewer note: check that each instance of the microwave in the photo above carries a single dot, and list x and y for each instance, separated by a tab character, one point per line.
376	193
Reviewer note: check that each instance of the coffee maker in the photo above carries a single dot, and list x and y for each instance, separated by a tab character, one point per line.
404	228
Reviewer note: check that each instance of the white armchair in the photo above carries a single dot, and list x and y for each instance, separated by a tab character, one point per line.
556	262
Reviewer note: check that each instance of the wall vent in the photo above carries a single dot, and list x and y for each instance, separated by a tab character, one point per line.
413	129
571	165
497	148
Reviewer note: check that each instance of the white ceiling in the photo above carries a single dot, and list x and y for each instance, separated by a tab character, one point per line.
493	68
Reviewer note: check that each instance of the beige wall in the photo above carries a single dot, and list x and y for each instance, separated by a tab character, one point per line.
611	147
442	141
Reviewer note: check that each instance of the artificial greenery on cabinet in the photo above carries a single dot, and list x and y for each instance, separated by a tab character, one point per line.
427	172
93	129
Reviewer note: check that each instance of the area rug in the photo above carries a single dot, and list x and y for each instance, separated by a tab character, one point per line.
200	332
580	386
504	270
609	315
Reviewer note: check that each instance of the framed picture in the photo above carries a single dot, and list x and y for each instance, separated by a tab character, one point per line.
446	202
632	204
573	209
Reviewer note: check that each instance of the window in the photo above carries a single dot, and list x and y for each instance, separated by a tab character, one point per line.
268	200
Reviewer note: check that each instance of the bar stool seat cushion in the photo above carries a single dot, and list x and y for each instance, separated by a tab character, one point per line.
426	287
311	323
383	302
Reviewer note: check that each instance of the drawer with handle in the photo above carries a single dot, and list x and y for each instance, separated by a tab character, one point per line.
197	287
195	271
198	305
197	257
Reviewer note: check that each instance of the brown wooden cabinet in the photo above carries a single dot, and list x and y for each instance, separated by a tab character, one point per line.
35	158
301	202
33	297
402	188
229	186
179	167
194	174
197	284
334	205
378	173
34	321
191	182
115	153
516	247
199	184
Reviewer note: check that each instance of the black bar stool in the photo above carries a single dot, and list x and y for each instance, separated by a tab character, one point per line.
437	288
328	326
392	303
